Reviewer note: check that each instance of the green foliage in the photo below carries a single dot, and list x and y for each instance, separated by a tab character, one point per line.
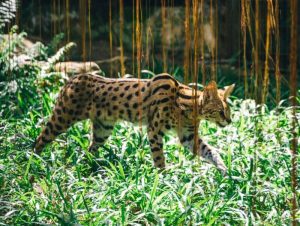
54	44
15	79
25	73
59	55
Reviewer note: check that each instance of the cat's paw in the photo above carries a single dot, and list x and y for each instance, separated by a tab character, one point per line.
223	169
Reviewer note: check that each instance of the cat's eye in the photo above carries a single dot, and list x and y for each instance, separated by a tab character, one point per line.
222	113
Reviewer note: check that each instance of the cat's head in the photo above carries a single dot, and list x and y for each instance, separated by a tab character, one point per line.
214	105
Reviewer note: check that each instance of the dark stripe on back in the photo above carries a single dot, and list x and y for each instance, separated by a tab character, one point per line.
164	100
165	87
186	96
161	77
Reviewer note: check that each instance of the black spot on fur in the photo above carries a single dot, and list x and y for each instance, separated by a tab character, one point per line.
161	133
58	111
146	97
99	139
61	119
71	112
157	158
168	126
155	149
45	140
56	133
129	114
152	141
58	127
190	137
49	124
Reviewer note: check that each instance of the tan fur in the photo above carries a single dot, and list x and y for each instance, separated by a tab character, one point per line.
162	103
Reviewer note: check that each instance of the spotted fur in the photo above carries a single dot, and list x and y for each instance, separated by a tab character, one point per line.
162	103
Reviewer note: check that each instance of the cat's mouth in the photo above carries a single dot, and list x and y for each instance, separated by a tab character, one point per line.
221	125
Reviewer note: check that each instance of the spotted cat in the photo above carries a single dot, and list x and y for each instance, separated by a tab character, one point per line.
162	103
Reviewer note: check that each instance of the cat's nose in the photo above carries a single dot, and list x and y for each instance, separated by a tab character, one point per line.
228	121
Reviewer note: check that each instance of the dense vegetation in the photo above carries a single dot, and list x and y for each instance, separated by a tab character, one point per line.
68	185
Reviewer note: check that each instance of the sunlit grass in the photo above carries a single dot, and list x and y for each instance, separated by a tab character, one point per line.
118	185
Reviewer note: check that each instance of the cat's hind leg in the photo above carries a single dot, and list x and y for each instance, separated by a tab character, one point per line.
101	131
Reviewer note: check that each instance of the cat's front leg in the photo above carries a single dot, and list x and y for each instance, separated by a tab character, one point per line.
211	155
204	150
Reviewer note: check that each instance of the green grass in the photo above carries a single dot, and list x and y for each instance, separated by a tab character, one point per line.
118	185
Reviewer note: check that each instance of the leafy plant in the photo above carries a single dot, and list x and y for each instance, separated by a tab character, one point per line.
25	73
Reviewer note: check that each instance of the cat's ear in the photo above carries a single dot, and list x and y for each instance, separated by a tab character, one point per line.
210	91
228	90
